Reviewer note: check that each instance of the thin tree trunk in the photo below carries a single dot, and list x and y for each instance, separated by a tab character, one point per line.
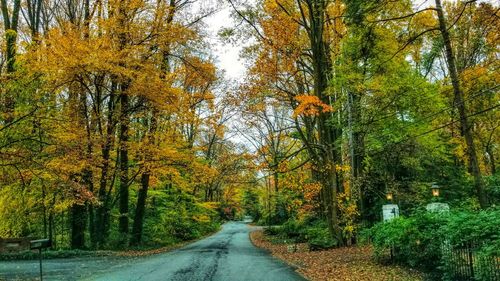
123	227
140	210
102	211
462	110
491	159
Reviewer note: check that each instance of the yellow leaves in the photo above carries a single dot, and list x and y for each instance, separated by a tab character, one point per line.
210	205
65	55
348	213
310	106
476	79
198	73
156	88
176	34
201	218
425	20
342	168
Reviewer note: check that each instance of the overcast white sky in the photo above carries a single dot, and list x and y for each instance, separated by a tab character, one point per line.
227	55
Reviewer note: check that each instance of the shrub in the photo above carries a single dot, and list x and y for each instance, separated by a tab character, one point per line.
419	241
272	230
292	229
415	241
313	232
318	237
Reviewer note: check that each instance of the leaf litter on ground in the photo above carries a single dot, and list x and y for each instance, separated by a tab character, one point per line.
354	263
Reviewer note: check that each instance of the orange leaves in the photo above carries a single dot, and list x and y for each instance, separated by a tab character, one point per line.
310	106
311	191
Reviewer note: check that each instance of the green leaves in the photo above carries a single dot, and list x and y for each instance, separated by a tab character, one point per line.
423	239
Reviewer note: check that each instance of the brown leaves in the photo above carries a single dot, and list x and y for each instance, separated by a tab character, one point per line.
343	264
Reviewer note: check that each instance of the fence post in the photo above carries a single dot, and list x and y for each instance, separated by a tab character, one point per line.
471	260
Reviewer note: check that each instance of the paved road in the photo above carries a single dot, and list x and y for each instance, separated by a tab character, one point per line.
228	255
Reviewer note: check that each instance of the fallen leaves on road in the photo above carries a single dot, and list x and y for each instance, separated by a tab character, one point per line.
142	253
343	264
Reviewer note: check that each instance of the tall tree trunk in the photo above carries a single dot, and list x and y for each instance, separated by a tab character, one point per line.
52	223
326	133
140	210
356	144
102	212
123	226
123	223
276	179
143	191
11	25
461	107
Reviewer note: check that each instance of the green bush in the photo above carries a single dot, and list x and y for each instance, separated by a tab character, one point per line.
272	230
292	229
312	231
419	241
318	236
481	230
492	188
415	241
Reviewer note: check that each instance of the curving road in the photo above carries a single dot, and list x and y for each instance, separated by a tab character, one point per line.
228	255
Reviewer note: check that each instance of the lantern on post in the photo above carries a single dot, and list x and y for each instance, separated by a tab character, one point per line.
389	196
435	189
437	206
390	210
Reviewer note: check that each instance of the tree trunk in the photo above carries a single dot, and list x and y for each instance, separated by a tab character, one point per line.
78	222
10	24
326	133
140	210
123	227
492	159
461	107
123	223
102	211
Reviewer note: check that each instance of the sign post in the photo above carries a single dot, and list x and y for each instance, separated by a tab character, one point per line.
39	245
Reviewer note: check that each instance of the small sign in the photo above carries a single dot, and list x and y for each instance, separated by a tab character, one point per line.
40	244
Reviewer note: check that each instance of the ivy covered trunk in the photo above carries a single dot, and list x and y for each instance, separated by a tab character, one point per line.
10	21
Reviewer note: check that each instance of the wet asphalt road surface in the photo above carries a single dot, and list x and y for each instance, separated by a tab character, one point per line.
226	256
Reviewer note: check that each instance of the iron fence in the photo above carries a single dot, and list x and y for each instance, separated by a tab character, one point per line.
464	263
